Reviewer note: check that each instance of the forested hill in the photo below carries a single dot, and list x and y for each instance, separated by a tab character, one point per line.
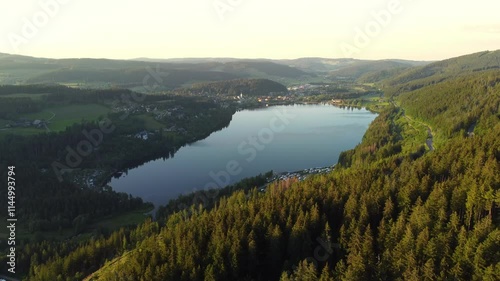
250	87
418	77
391	210
169	74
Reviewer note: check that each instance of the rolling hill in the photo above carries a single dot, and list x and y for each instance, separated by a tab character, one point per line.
250	87
433	73
175	73
348	68
132	73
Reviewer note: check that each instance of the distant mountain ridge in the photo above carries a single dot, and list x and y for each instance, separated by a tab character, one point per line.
308	65
184	72
16	69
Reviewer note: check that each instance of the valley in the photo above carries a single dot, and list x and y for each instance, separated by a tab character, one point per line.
414	147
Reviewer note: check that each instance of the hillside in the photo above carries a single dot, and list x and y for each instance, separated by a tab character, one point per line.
349	68
175	73
391	210
103	73
247	87
383	217
433	73
170	79
366	68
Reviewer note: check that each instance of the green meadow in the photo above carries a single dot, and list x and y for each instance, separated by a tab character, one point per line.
66	115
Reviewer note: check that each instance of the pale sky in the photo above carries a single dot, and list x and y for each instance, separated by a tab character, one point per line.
124	29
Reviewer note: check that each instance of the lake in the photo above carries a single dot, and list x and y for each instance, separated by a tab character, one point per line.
280	138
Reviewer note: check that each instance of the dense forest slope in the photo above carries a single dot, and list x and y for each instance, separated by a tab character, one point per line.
387	216
418	77
384	214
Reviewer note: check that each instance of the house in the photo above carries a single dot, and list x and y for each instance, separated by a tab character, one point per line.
171	129
142	135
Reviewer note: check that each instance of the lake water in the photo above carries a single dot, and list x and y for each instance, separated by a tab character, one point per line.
281	138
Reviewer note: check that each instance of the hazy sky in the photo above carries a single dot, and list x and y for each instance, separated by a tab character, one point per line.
368	29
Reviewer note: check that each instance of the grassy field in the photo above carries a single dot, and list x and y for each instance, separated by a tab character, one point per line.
109	266
372	101
21	131
59	118
115	222
63	116
21	95
3	122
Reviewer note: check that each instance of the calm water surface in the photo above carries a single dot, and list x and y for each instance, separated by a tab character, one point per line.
282	138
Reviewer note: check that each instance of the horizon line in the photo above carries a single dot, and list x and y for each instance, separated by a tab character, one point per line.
238	58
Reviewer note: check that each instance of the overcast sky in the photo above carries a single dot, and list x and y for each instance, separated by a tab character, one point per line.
365	29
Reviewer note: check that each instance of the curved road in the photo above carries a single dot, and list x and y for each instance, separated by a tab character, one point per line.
429	140
45	124
53	115
430	137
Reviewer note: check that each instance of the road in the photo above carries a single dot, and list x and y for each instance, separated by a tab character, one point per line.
430	137
48	120
470	132
53	115
429	140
